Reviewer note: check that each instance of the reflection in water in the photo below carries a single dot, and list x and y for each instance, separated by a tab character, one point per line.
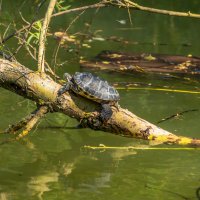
68	168
3	196
118	155
99	182
38	185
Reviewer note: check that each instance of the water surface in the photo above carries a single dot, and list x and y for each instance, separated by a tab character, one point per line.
51	162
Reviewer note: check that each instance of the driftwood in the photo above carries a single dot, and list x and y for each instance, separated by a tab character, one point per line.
44	90
144	63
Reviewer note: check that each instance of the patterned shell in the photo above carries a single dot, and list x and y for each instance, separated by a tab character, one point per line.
93	87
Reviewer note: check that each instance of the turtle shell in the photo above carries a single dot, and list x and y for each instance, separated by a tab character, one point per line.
93	87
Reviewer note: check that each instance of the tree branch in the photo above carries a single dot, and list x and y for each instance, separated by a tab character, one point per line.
21	80
41	53
12	129
40	112
28	122
133	5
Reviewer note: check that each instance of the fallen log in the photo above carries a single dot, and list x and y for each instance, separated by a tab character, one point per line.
143	63
44	90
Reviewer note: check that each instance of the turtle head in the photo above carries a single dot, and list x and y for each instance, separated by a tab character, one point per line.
67	77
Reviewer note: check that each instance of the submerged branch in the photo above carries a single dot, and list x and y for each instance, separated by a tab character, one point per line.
40	112
143	63
31	85
12	129
27	123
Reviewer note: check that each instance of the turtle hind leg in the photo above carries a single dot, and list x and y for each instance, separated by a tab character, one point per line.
64	88
106	112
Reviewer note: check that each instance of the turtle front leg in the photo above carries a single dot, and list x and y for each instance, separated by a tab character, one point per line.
66	87
95	119
106	112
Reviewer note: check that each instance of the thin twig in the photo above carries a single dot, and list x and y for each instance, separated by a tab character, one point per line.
97	5
136	6
103	147
1	4
129	14
57	49
25	36
176	115
41	53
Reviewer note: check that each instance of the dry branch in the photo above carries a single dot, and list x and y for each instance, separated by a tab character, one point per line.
29	84
41	52
132	5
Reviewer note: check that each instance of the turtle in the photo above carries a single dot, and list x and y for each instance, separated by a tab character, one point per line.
92	87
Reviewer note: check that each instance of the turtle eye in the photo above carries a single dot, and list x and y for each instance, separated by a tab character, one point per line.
111	90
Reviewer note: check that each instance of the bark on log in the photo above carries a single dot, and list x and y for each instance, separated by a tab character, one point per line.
144	63
43	89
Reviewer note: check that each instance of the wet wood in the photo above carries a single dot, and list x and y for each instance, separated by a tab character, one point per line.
143	63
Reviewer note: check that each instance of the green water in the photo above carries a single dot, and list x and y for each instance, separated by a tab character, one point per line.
51	163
